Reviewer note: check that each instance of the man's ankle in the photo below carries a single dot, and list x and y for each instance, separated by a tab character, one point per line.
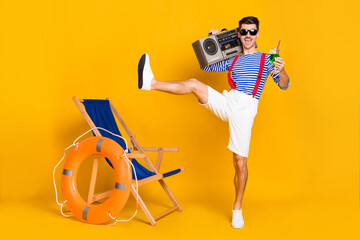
153	83
237	207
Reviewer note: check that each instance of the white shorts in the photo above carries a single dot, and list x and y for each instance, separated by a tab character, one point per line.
239	109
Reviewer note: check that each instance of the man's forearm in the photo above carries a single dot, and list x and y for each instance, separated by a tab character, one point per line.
284	78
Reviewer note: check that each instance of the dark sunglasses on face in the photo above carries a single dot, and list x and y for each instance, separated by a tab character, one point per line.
244	32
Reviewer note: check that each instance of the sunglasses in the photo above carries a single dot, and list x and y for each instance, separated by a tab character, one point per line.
244	32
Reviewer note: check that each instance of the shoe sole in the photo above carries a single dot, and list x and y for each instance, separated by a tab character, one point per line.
237	227
141	70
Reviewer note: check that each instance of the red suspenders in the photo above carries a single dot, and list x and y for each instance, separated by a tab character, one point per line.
258	78
230	80
262	63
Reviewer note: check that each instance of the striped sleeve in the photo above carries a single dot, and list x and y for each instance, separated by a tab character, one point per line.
275	74
218	67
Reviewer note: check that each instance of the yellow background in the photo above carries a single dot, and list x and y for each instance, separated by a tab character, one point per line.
304	154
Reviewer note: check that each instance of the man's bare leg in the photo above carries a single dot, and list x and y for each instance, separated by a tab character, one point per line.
147	81
199	89
241	175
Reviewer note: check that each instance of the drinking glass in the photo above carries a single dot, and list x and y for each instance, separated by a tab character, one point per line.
274	55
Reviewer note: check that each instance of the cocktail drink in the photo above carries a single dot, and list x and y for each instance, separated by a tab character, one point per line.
273	55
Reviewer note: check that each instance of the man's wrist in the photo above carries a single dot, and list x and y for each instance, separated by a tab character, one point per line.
284	85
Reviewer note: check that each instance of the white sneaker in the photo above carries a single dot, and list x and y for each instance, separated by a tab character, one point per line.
145	74
237	219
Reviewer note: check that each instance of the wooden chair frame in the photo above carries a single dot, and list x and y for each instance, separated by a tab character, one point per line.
134	146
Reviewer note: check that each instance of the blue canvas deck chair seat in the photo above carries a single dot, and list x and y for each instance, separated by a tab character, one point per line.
100	113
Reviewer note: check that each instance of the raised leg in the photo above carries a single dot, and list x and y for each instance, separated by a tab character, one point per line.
199	89
147	81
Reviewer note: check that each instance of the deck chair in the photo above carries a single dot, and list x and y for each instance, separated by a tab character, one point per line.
100	113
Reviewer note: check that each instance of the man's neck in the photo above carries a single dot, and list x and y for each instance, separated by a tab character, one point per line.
250	50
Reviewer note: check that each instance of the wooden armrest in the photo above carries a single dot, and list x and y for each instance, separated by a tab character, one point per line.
156	149
149	179
170	149
132	155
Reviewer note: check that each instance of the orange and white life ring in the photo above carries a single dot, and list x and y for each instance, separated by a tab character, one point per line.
96	214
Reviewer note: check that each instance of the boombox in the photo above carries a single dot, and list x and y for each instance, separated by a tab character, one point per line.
216	48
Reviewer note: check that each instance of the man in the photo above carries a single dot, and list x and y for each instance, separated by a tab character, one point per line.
238	106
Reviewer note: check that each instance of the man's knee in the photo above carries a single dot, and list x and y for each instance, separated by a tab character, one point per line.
199	89
240	163
194	84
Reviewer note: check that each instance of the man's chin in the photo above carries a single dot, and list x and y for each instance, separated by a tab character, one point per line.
247	47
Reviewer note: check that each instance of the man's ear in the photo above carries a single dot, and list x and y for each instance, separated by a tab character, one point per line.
238	33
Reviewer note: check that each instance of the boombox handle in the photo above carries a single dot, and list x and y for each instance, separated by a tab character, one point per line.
224	29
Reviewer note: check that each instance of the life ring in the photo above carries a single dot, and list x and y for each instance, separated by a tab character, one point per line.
96	214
